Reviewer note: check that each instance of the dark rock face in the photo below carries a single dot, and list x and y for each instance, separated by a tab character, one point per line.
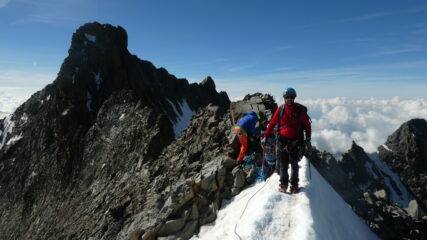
329	168
94	154
407	156
364	172
388	220
366	186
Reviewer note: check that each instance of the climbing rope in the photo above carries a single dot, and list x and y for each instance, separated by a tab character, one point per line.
247	203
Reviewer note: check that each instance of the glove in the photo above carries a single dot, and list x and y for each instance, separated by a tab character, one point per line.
263	140
308	141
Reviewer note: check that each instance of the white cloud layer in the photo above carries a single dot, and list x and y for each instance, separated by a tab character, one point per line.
337	122
12	97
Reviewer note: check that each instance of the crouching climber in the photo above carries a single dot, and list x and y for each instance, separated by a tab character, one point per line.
246	128
293	120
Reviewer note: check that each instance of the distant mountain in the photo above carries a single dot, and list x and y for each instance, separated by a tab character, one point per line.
385	189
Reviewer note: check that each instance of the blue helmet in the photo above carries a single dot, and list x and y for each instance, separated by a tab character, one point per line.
289	92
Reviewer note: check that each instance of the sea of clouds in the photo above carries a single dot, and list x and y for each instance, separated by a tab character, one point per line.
336	122
12	97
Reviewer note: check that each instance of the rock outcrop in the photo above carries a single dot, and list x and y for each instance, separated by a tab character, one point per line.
405	152
369	187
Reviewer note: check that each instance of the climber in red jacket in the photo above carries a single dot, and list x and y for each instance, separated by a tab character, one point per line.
293	120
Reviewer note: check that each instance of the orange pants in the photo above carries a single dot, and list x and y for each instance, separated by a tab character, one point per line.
243	139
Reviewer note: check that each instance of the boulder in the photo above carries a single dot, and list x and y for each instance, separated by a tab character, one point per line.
414	210
381	194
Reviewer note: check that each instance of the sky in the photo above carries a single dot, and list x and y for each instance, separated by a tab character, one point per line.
324	49
317	212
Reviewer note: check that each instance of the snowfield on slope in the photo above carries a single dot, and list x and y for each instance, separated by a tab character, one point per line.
317	212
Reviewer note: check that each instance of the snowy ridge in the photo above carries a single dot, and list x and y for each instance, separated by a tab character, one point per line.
399	194
183	120
317	212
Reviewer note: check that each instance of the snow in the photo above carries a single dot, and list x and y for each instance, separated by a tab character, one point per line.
317	212
13	140
183	120
401	196
89	101
24	118
90	37
98	79
8	126
386	148
65	112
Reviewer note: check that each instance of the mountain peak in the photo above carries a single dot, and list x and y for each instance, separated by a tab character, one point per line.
101	35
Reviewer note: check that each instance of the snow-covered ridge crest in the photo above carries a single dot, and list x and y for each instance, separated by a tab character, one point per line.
317	212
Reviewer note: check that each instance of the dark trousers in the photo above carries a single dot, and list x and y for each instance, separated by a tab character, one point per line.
288	154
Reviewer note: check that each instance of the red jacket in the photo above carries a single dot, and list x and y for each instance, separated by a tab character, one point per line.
289	124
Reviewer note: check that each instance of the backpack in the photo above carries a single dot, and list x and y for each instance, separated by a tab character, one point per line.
300	108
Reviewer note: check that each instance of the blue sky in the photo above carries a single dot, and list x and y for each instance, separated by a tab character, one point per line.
324	49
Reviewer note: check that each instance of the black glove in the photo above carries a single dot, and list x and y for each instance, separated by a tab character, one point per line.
308	141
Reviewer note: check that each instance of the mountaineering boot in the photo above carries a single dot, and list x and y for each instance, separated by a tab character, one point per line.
294	189
282	188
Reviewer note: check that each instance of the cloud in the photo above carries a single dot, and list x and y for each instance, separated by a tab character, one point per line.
56	12
420	31
337	122
354	40
240	68
24	78
18	85
376	15
13	97
284	48
285	68
400	50
363	81
3	3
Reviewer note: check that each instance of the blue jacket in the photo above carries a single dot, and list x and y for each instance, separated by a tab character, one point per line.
248	123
